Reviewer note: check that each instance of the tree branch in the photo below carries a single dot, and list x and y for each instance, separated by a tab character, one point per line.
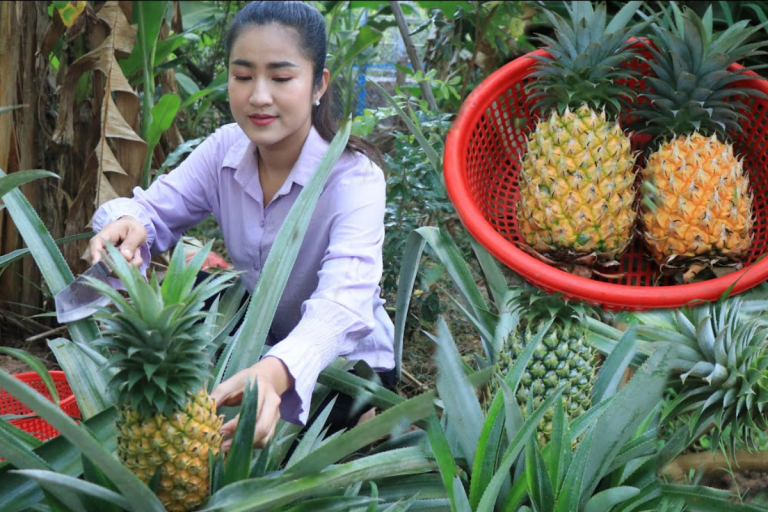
412	55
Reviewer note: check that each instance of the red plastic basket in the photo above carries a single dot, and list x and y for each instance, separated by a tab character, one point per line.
37	426
481	165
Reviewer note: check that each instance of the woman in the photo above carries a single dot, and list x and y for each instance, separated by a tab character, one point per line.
249	174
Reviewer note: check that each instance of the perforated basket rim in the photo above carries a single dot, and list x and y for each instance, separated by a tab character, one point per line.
551	279
57	375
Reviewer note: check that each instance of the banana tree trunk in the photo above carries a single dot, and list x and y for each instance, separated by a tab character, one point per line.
22	25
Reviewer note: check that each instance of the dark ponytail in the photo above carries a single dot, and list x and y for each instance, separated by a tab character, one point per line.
310	27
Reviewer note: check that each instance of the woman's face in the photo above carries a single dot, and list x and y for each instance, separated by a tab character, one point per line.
270	86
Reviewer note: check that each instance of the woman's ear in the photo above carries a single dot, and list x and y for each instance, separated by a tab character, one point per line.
323	85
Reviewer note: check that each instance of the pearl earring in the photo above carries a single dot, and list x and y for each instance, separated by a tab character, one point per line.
317	103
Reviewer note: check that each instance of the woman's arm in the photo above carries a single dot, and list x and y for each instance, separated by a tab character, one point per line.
172	204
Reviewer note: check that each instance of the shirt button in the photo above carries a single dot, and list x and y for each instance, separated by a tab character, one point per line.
261	223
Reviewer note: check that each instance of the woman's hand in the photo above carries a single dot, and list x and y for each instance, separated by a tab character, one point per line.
126	233
273	379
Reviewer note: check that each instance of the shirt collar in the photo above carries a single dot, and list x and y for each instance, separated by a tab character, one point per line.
242	157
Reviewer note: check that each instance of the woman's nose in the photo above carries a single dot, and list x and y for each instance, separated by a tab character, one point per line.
261	94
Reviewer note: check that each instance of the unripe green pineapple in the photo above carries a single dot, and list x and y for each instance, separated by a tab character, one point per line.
563	357
160	343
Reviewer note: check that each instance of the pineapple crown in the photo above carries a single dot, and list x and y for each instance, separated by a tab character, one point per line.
159	336
722	359
536	307
584	65
689	85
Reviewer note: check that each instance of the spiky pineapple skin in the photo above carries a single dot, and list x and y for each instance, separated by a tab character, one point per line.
563	358
577	192
703	208
177	446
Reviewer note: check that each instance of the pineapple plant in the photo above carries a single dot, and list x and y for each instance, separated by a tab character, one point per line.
577	207
562	357
160	343
696	210
722	368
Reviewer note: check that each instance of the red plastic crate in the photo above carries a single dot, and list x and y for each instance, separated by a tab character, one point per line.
481	166
37	426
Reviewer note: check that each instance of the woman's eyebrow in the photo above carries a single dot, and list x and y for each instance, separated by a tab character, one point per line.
272	65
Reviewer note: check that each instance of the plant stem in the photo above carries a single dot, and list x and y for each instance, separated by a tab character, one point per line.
148	97
479	31
411	49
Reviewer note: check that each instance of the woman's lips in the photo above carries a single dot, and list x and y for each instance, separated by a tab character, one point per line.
261	120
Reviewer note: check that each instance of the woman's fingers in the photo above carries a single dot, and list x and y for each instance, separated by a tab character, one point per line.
267	422
134	237
268	416
230	392
127	233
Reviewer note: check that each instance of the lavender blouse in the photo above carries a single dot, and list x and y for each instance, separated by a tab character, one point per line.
332	303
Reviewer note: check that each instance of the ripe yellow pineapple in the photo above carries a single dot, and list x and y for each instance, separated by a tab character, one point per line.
696	212
167	423
577	184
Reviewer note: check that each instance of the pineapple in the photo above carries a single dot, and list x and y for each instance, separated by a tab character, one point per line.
696	212
167	424
577	183
562	358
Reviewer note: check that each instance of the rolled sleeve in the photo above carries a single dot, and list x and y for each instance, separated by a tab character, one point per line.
175	201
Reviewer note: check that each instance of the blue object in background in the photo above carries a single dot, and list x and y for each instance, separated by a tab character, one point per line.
360	104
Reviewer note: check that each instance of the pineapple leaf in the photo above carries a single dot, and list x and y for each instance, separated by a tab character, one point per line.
569	495
706	499
607	499
333	504
17	447
612	371
58	275
17	179
413	409
461	405
623	17
540	485
414	246
308	440
142	499
621	419
446	464
249	339
513	450
37	365
237	465
558	452
641	446
496	281
180	277
57	481
253	495
487	450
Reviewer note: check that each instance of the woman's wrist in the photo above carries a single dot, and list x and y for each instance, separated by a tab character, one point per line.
275	371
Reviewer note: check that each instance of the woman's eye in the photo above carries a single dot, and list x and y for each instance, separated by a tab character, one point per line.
281	79
242	78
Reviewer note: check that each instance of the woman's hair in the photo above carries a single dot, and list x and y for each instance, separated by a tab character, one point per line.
310	27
